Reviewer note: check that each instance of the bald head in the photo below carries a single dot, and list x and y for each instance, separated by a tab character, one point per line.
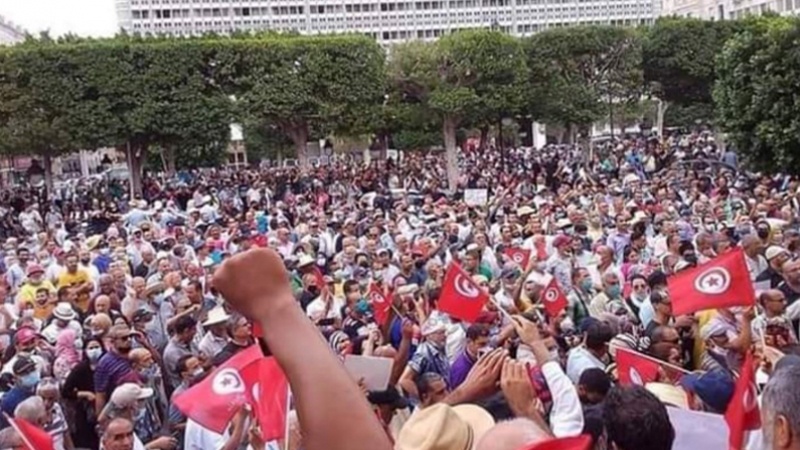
512	435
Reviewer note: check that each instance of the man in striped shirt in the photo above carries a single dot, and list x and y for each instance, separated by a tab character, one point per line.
114	365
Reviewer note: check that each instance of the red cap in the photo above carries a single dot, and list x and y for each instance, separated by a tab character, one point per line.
34	268
582	442
560	240
24	334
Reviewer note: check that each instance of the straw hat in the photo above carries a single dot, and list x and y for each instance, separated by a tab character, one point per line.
444	427
215	316
669	394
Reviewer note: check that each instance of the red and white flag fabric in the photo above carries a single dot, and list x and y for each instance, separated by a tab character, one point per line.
33	437
743	413
380	304
553	298
635	369
722	282
461	297
520	256
222	393
581	442
270	390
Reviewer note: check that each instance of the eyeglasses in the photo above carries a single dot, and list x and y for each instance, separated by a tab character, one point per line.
639	287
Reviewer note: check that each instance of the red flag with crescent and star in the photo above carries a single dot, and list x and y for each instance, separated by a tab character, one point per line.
380	304
223	392
520	256
742	413
461	297
635	369
722	282
553	298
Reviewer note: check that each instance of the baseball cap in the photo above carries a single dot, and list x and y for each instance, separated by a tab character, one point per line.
33	269
561	240
24	334
23	365
774	251
127	394
715	388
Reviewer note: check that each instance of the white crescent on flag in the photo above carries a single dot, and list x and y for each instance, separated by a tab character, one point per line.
465	287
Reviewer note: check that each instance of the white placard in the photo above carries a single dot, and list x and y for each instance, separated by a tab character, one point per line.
375	371
476	197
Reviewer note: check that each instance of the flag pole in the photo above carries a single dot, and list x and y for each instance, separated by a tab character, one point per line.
287	430
21	435
500	307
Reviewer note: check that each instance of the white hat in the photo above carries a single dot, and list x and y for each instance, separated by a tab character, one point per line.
64	311
443	426
432	326
305	260
669	394
216	315
774	251
127	394
525	210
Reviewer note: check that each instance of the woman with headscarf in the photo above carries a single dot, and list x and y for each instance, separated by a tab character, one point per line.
78	394
67	357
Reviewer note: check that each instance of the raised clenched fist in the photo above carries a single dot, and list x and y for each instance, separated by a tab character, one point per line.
255	283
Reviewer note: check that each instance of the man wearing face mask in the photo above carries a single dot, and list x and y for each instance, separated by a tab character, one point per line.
581	295
191	372
26	378
114	366
611	294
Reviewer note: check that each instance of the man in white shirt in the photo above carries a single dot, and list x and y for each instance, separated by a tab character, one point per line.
216	336
593	352
197	437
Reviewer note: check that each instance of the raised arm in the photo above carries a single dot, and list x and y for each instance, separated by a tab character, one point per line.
332	410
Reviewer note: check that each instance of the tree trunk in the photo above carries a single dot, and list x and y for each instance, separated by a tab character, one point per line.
383	141
299	136
451	152
47	162
168	157
660	112
135	154
484	137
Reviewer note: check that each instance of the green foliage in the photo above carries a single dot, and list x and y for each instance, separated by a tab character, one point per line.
756	93
678	57
576	72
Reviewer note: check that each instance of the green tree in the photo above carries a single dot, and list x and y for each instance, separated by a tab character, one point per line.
39	104
462	76
580	74
299	84
756	92
678	57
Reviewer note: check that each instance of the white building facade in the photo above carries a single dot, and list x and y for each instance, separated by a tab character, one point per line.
10	33
727	9
386	21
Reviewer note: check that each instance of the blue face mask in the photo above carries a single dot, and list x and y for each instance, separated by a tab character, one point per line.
30	380
586	284
614	291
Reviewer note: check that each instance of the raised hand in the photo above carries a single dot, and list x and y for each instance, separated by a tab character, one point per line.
255	283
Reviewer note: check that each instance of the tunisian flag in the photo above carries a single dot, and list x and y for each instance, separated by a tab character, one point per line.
270	390
553	298
214	401
33	437
742	413
460	296
720	283
518	255
380	304
635	369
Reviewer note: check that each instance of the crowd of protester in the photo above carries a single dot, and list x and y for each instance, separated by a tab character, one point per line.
113	305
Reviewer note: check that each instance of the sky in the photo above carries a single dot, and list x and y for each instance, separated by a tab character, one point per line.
94	18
